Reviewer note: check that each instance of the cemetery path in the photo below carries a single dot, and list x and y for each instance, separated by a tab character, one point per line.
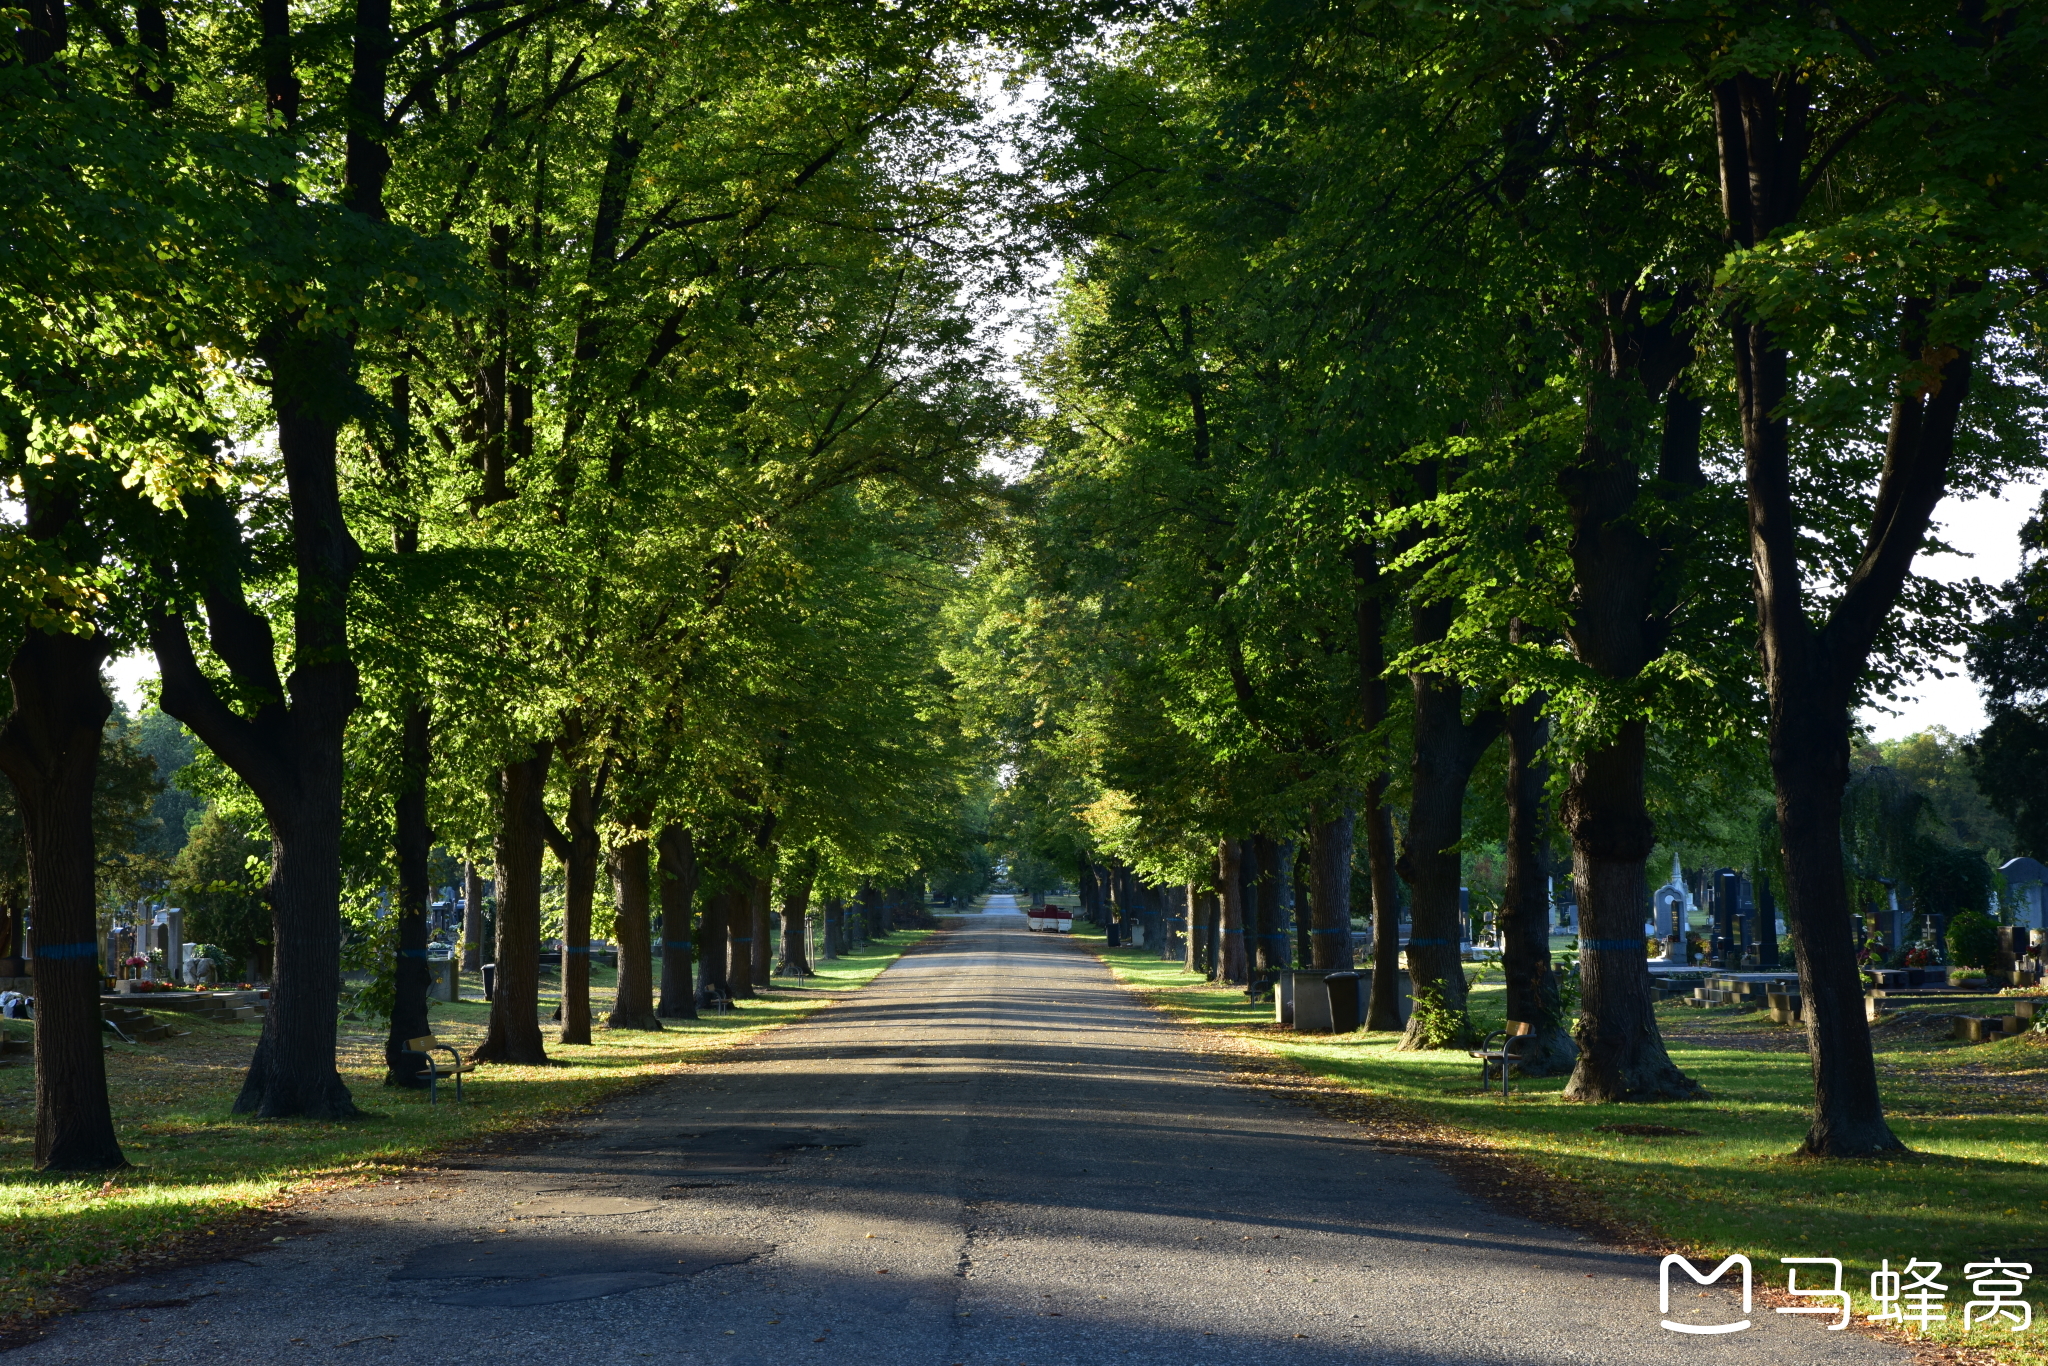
993	1155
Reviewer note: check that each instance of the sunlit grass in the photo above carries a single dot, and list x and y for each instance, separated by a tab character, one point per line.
197	1164
1974	1187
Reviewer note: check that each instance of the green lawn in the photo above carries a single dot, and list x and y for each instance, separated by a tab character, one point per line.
1975	1185
199	1167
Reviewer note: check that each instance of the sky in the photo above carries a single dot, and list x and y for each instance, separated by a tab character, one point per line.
1988	531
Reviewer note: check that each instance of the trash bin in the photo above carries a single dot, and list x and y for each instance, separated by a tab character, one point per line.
490	971
1347	1011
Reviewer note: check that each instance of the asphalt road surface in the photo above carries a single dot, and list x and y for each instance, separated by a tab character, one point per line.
993	1155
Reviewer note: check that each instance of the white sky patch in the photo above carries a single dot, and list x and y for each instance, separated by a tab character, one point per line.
1986	535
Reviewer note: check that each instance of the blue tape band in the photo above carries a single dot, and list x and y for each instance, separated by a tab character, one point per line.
675	943
1614	945
584	949
1333	931
743	939
1429	943
412	953
59	953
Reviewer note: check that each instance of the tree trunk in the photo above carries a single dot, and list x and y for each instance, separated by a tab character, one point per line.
1212	935
796	913
633	1008
762	929
1384	1011
1267	888
1329	897
514	1035
582	855
1234	968
832	929
678	869
414	844
1625	590
1383	1008
1191	949
739	935
714	924
472	918
1532	991
1301	871
869	904
50	749
1621	1051
1811	672
289	752
293	1073
1447	749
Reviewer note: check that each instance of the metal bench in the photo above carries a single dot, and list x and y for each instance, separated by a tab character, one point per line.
1503	1057
426	1046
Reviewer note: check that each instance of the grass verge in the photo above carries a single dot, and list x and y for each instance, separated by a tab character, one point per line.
1974	1186
200	1170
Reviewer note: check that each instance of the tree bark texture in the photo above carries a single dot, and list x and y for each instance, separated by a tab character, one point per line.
1621	1051
514	1035
1299	872
1269	888
413	841
631	881
1548	1050
760	906
798	878
869	904
1447	749
1191	947
714	924
1383	1006
1625	590
1329	900
50	749
472	917
289	748
678	874
832	928
582	855
1233	968
739	935
1812	669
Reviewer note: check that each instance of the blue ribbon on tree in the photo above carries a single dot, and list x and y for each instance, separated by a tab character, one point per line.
1429	943
584	949
1316	931
59	953
675	943
1613	945
412	953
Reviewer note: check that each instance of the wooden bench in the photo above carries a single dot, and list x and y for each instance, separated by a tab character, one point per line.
1503	1057
426	1046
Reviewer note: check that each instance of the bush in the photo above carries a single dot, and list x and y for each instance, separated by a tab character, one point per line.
1972	940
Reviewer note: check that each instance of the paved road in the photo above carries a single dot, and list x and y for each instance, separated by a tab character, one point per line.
1003	1160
